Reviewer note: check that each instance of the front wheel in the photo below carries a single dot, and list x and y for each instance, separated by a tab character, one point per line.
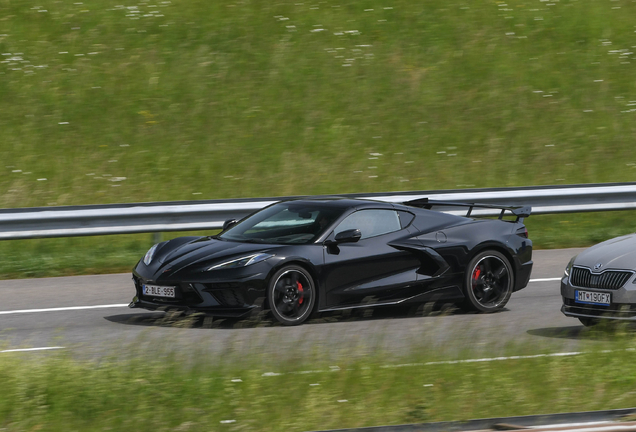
488	282
292	295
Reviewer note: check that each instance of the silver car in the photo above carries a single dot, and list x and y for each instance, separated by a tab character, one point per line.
600	282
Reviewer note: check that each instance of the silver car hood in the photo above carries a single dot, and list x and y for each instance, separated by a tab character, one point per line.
616	253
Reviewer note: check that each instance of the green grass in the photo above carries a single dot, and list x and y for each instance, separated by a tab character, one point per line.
78	255
156	391
196	99
71	256
187	99
578	229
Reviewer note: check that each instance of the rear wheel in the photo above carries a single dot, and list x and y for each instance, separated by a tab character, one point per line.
488	282
291	295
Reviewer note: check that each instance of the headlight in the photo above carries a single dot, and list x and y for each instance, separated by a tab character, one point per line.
568	268
241	262
150	254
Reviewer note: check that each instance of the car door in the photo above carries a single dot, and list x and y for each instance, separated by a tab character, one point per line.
370	270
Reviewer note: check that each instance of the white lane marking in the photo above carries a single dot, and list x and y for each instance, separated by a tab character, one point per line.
545	280
31	349
609	428
63	309
434	363
573	425
491	359
488	359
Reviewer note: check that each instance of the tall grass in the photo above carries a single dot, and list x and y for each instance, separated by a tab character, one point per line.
186	99
158	391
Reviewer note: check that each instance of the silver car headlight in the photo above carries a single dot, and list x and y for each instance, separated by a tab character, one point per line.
241	262
150	254
568	268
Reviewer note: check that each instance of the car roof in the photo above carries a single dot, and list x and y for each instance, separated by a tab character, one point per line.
342	202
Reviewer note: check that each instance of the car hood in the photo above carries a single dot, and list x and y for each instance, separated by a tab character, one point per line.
616	253
175	255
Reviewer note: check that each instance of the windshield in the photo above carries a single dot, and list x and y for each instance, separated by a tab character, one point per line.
284	223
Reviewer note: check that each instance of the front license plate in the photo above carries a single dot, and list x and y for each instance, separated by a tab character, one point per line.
159	291
589	297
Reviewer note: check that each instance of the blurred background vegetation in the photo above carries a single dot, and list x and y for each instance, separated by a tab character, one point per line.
138	389
174	100
103	102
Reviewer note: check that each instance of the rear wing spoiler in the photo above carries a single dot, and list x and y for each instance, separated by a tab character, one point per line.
520	212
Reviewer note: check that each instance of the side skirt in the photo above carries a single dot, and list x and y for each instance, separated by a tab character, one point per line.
444	293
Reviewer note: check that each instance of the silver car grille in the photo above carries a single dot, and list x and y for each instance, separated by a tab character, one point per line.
609	279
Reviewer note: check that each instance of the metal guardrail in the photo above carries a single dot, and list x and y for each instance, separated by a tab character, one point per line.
618	420
89	220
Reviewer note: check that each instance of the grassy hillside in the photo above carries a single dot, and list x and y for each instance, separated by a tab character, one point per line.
102	102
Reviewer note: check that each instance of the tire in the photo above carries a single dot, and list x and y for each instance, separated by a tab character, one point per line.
589	322
291	295
488	282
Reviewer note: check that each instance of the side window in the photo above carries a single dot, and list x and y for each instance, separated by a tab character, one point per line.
405	218
371	223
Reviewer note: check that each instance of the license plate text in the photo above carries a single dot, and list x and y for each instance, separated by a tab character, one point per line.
159	291
590	297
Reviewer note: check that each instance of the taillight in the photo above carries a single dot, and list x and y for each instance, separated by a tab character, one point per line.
522	232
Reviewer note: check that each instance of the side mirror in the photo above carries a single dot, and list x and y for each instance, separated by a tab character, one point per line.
229	224
348	236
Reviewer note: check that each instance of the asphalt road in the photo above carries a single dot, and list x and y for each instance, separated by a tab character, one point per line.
52	312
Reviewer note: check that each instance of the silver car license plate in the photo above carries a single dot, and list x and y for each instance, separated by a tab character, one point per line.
159	291
590	297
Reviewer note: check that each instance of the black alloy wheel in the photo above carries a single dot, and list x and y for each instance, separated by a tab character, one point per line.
488	282
291	295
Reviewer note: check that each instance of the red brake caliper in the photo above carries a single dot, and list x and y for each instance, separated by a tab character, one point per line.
476	275
300	290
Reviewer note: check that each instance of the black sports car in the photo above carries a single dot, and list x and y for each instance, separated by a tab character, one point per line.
314	255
